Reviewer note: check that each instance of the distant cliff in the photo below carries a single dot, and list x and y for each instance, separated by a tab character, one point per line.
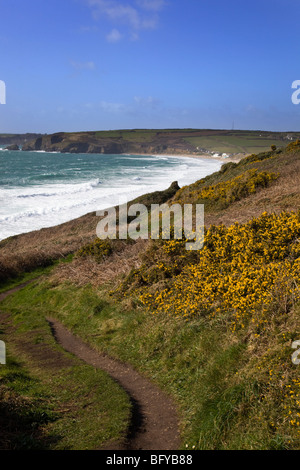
13	147
160	141
74	143
114	142
17	139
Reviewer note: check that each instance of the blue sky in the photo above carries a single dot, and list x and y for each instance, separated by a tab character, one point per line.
72	65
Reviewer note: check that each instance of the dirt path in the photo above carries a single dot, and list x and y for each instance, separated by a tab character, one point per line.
3	295
154	424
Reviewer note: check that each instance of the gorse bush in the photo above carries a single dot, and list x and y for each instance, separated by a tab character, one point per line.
228	166
221	195
260	157
160	263
241	272
293	146
98	249
244	285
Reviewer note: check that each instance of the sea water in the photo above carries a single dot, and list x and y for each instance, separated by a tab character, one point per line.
40	189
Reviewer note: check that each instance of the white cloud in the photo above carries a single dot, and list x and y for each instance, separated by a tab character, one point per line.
114	36
139	106
115	11
134	36
87	29
134	14
125	13
111	107
82	65
148	102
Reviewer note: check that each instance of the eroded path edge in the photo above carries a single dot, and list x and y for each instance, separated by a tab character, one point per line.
155	423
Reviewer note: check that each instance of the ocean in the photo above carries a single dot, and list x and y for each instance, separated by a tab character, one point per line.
40	189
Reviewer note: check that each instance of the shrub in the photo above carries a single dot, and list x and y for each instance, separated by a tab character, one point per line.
98	249
242	271
228	166
293	146
221	195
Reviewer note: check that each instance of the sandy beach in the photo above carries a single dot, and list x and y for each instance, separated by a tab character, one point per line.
235	158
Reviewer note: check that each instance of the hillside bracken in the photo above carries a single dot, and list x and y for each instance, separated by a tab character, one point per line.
215	327
239	270
246	280
221	195
244	283
98	249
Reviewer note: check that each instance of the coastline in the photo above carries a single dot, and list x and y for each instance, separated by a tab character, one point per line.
42	215
235	158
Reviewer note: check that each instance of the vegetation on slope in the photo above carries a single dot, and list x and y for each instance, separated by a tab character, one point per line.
159	141
221	195
48	398
215	328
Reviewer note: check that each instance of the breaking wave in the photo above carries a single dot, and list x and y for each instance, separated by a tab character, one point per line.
40	189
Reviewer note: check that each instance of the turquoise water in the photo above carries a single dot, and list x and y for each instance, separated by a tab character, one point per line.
40	189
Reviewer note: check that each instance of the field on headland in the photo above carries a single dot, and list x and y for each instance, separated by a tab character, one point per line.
162	141
213	328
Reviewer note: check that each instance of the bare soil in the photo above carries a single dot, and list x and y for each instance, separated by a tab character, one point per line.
154	424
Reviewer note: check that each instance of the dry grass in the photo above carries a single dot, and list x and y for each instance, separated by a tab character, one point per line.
87	270
282	195
23	253
26	252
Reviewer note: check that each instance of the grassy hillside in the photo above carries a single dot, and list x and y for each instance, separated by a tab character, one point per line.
214	328
19	139
50	400
160	141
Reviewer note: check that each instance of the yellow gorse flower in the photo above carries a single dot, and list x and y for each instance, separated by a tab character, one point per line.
241	270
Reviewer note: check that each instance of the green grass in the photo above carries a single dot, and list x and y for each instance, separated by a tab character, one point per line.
31	275
184	140
269	161
232	144
22	278
72	406
233	390
223	141
138	135
210	372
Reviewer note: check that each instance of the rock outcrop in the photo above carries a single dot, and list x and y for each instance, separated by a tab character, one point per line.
17	139
117	142
74	143
13	147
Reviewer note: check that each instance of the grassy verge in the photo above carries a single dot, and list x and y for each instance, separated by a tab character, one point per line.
229	397
48	398
214	328
10	283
